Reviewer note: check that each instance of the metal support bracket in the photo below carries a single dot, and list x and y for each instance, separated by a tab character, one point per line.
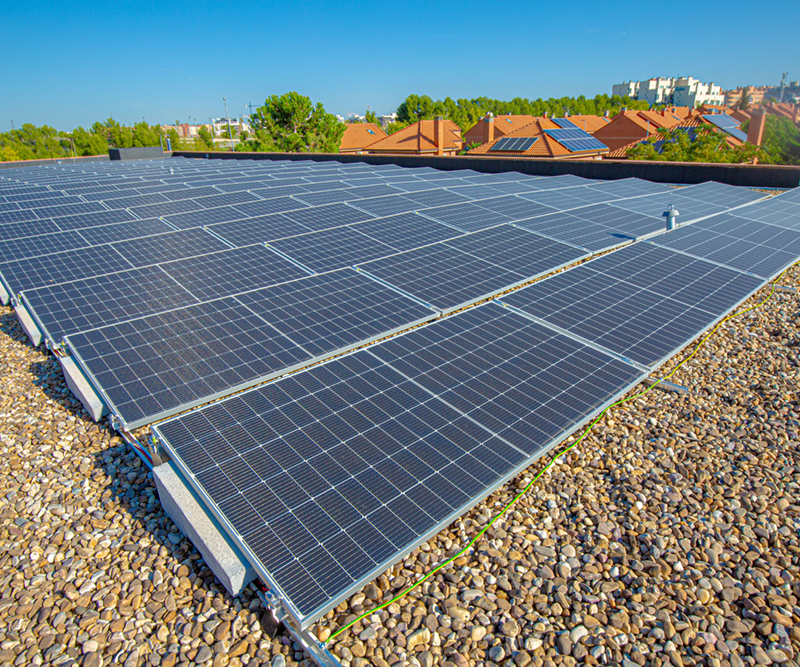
785	288
311	645
665	385
156	451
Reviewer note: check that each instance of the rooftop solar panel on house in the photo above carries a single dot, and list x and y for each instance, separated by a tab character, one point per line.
564	122
576	140
517	144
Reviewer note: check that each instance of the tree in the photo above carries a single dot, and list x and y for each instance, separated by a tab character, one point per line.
31	142
292	123
780	142
694	144
89	143
205	137
371	117
744	100
175	139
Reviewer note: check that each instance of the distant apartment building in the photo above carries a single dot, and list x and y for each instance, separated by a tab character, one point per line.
689	92
756	94
681	91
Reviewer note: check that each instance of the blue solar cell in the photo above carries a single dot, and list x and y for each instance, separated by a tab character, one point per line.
576	140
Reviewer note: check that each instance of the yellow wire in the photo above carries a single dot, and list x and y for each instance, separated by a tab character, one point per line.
552	461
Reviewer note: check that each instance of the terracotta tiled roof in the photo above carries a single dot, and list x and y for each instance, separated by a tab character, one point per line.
741	115
502	126
544	146
589	123
358	136
633	126
419	138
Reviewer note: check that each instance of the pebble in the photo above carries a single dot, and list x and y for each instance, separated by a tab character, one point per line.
669	536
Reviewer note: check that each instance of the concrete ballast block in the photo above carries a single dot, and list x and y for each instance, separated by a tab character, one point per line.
28	325
80	387
183	506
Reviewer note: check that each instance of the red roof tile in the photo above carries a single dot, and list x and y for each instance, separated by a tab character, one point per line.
358	136
419	138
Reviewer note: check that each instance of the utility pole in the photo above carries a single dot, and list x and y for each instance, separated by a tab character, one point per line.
230	132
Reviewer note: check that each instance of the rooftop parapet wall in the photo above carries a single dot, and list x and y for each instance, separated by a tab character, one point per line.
749	175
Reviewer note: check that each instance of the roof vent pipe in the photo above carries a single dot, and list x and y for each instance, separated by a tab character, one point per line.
670	214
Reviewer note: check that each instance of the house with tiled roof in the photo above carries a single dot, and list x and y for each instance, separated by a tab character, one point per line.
358	136
687	124
632	126
544	138
492	127
588	122
425	137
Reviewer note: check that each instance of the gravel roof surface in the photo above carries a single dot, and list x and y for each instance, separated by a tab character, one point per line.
668	537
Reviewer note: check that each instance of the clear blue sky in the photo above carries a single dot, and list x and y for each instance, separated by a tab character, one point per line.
71	63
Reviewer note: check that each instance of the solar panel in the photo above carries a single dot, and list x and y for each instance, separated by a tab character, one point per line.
332	311
134	200
34	246
165	247
332	248
153	366
25	274
630	187
642	301
513	144
86	220
258	230
373	431
564	122
407	230
321	198
773	211
383	206
30	228
48	212
232	271
123	231
514	207
746	245
326	217
165	208
277	205
576	140
455	273
729	196
16	216
92	302
726	123
430	198
209	216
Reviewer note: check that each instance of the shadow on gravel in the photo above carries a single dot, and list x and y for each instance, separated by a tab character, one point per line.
9	325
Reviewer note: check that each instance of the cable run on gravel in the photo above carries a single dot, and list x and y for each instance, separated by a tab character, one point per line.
552	461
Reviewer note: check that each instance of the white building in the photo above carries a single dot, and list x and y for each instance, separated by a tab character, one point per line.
681	91
689	92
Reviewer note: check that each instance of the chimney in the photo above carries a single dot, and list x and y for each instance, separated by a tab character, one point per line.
438	134
756	131
488	128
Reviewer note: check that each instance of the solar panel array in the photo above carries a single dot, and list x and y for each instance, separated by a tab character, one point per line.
514	143
576	140
328	475
727	124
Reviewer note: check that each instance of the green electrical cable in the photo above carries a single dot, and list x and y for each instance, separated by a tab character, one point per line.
552	461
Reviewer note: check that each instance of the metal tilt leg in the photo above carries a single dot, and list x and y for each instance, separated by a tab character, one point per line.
315	648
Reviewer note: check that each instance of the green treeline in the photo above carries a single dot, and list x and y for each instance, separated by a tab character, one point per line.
465	113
